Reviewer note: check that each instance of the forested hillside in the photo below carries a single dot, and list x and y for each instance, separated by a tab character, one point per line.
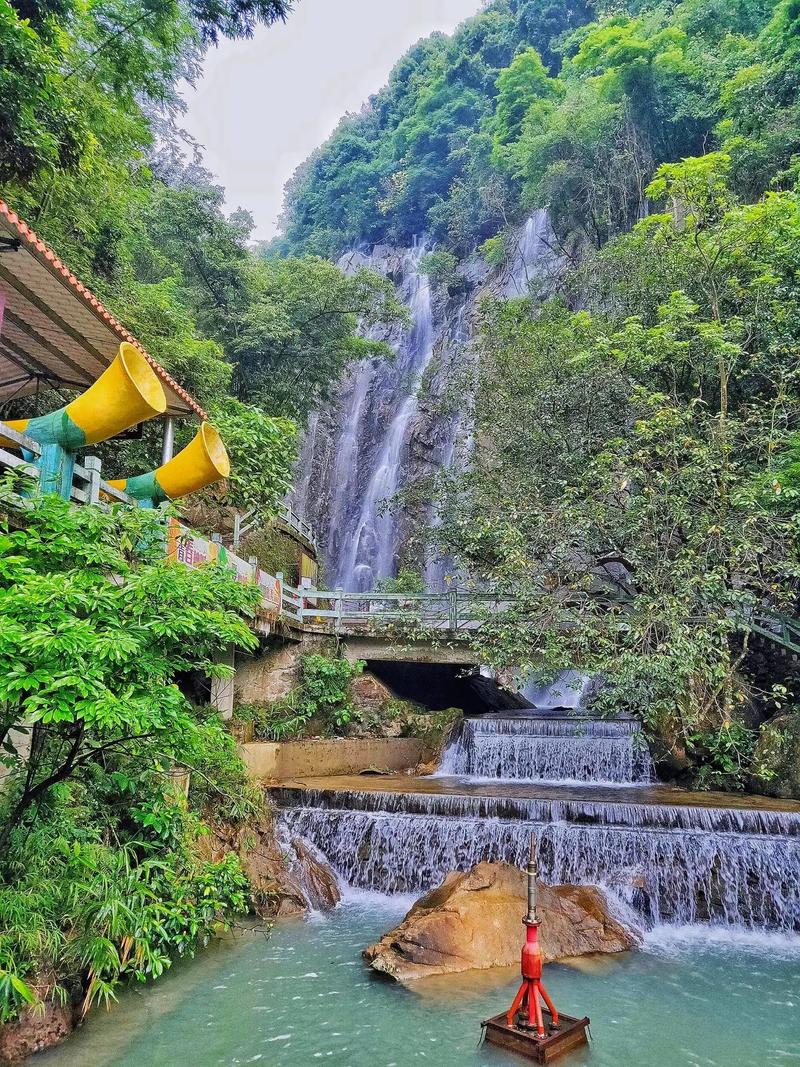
635	470
531	102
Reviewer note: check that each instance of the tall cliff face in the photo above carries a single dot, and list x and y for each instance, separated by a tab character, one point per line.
395	423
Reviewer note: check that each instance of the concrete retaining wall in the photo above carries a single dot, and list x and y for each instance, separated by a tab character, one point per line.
312	759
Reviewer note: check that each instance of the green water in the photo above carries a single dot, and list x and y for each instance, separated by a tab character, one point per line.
303	996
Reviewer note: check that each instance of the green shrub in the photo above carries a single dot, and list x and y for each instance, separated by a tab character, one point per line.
440	266
101	877
321	699
724	755
407	581
282	720
324	690
493	250
219	783
82	906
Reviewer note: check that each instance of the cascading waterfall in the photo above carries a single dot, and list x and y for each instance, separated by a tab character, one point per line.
538	748
456	449
533	255
733	866
370	553
671	864
379	437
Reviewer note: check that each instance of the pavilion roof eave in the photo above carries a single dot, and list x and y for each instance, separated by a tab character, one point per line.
55	332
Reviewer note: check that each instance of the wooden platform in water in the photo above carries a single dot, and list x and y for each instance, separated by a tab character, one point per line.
570	1035
444	786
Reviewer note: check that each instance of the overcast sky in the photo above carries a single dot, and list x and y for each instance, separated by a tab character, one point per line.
264	104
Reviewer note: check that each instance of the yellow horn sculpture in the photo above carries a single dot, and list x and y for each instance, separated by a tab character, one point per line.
126	393
203	462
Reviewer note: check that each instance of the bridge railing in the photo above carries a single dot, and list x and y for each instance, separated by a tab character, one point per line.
452	610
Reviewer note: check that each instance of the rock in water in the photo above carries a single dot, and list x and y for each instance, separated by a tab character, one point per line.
474	920
317	879
37	1029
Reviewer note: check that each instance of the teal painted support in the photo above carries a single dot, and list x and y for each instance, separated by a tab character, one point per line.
145	489
452	606
56	467
60	438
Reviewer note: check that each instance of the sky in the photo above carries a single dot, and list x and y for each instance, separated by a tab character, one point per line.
263	105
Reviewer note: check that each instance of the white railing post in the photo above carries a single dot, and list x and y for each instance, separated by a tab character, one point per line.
339	610
452	604
92	467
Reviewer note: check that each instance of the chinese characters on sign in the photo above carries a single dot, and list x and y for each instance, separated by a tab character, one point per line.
189	548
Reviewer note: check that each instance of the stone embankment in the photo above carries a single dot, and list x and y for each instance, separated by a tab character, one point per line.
473	921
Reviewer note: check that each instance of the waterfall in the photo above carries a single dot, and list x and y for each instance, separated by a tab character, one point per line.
551	750
533	255
569	689
455	451
377	438
368	552
734	867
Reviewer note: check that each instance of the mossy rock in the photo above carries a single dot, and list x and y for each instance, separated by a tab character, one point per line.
777	757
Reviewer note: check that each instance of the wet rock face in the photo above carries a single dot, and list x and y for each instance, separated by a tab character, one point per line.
316	878
420	396
423	396
276	891
36	1030
473	920
369	694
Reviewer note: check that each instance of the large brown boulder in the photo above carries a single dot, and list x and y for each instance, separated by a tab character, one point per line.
369	694
474	920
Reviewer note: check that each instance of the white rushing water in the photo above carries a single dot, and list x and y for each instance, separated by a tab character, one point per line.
533	255
680	865
733	867
356	459
370	548
545	749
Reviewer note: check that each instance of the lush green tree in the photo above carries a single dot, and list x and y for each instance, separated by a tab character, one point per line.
40	124
263	452
299	330
519	87
101	876
631	458
545	23
96	626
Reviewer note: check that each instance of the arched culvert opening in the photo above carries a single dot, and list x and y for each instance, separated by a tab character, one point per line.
440	685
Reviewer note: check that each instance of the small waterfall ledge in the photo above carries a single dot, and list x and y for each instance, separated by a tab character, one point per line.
736	867
671	857
550	749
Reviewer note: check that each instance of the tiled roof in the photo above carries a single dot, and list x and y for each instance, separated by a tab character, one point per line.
55	329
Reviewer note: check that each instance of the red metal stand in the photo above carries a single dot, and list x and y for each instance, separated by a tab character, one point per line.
526	1001
522	1028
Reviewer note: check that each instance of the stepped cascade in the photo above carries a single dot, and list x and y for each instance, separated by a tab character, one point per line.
676	864
547	747
669	862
